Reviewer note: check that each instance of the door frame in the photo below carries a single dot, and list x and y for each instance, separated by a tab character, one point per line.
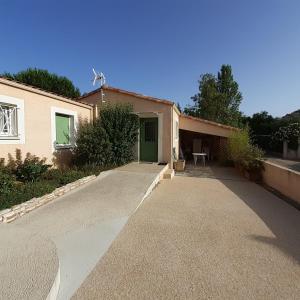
158	115
149	149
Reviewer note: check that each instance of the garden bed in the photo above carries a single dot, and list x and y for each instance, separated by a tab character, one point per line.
16	211
14	192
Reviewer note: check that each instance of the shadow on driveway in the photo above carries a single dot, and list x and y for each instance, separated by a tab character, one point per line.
280	217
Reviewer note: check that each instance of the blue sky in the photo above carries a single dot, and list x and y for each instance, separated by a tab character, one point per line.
160	48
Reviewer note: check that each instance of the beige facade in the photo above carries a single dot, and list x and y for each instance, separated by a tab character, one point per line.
36	111
170	120
144	107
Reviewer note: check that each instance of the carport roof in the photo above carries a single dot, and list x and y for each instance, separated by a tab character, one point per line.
208	122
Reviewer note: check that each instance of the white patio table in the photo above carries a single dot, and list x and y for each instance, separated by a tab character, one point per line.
196	155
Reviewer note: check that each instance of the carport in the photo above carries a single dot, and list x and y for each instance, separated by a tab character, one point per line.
199	135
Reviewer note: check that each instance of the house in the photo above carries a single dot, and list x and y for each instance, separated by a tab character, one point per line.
165	133
38	122
45	124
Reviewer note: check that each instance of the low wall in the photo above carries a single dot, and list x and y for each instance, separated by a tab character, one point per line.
283	180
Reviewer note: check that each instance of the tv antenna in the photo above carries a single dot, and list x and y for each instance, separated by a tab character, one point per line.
98	77
101	78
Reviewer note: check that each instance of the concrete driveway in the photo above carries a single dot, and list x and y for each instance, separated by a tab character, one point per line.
57	245
203	238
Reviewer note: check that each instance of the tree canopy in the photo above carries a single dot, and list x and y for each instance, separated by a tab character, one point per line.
218	98
47	81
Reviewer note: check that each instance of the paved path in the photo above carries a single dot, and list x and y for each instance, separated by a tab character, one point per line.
73	232
203	238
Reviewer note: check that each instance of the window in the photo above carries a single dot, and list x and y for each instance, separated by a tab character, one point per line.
63	129
8	120
12	123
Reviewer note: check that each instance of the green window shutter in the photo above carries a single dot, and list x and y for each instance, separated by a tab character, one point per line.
62	129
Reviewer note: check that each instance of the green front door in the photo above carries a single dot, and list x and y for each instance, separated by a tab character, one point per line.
148	139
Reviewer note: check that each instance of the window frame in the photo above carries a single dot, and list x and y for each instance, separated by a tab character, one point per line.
70	126
19	137
73	119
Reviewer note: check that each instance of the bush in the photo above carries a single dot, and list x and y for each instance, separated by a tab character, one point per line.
243	153
7	182
24	192
110	140
13	192
92	145
121	127
31	169
62	177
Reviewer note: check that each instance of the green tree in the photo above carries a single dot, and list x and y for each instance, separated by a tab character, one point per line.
218	98
46	81
262	123
121	126
110	140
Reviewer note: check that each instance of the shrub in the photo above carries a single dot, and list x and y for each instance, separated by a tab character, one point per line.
121	127
62	177
243	153
110	140
31	169
92	145
7	182
24	192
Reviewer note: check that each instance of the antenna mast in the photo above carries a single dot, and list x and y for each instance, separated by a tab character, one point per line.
101	79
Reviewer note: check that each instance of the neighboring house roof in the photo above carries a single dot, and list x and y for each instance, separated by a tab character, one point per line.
29	88
208	122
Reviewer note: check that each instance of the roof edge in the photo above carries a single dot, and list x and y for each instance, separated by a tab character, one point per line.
209	122
121	91
36	90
